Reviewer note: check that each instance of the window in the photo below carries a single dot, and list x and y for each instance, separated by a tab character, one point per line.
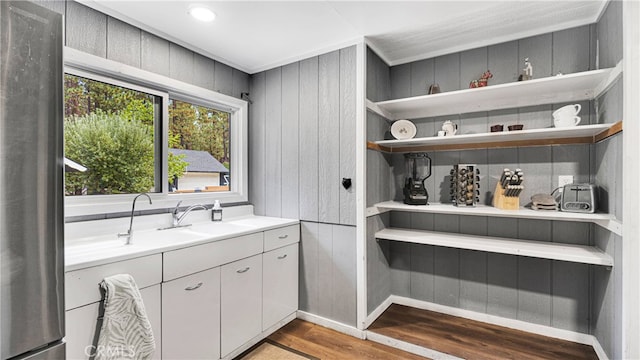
136	131
111	131
199	149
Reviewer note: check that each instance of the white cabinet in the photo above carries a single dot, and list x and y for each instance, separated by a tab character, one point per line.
279	284
191	316
241	302
82	323
204	301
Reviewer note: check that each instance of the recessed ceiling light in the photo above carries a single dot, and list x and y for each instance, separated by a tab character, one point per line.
202	13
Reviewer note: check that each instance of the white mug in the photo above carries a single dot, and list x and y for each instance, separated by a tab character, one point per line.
566	121
567	111
441	133
449	128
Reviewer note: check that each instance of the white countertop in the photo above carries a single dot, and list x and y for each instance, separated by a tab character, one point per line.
87	251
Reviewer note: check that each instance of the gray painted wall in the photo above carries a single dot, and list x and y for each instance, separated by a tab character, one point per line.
379	280
607	174
328	271
570	296
302	135
98	34
540	291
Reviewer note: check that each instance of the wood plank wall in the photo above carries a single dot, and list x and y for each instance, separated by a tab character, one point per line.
606	309
98	34
553	293
328	271
302	137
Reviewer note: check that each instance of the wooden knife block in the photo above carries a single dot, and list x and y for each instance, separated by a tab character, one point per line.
505	202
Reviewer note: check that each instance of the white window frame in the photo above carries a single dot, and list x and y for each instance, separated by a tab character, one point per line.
100	69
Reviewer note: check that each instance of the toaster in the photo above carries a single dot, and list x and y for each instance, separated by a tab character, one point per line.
578	198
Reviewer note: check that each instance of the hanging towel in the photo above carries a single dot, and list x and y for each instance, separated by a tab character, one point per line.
126	332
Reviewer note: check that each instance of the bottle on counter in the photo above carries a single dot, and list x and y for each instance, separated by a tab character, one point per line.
216	211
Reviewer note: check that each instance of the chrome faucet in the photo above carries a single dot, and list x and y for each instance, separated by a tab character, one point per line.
177	220
129	234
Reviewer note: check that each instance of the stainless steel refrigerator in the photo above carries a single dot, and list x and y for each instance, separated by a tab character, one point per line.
31	183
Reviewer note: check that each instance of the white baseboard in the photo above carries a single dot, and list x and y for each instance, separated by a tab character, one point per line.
497	320
377	312
331	324
409	347
467	314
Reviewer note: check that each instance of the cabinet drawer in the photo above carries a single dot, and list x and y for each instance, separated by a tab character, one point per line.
82	286
187	261
280	237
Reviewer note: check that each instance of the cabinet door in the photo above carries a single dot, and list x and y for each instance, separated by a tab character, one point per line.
191	316
280	284
82	322
241	312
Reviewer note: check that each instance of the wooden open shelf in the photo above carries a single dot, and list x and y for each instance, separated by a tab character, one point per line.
585	134
538	249
550	90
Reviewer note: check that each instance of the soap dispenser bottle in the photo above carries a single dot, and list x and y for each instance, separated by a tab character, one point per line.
216	211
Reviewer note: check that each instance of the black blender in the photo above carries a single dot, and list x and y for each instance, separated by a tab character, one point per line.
418	167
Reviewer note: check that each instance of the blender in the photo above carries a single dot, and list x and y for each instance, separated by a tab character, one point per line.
418	167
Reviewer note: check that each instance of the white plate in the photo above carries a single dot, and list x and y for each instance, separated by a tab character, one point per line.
403	129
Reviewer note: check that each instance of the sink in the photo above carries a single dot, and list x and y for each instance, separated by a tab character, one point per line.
218	228
175	235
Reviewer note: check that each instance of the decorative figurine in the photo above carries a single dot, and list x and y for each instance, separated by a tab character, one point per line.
527	72
482	82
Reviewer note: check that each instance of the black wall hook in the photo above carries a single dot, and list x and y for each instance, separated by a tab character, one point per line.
346	183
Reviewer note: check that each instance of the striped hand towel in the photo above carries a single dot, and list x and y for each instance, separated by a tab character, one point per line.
126	332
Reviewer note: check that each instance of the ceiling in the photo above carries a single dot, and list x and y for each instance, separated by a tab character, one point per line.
258	35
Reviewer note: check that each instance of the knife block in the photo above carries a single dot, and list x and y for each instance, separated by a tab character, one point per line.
505	202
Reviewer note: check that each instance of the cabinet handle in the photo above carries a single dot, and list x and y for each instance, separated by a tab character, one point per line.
189	288
283	236
282	256
243	270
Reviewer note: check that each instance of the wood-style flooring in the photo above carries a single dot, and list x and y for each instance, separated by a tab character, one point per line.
324	343
470	339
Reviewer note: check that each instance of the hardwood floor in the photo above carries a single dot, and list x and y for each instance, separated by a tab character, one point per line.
325	343
472	339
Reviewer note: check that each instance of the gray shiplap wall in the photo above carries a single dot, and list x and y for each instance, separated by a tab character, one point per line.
328	271
301	135
534	290
608	169
540	291
98	34
379	280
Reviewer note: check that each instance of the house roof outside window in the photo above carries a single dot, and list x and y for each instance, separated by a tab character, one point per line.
200	161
